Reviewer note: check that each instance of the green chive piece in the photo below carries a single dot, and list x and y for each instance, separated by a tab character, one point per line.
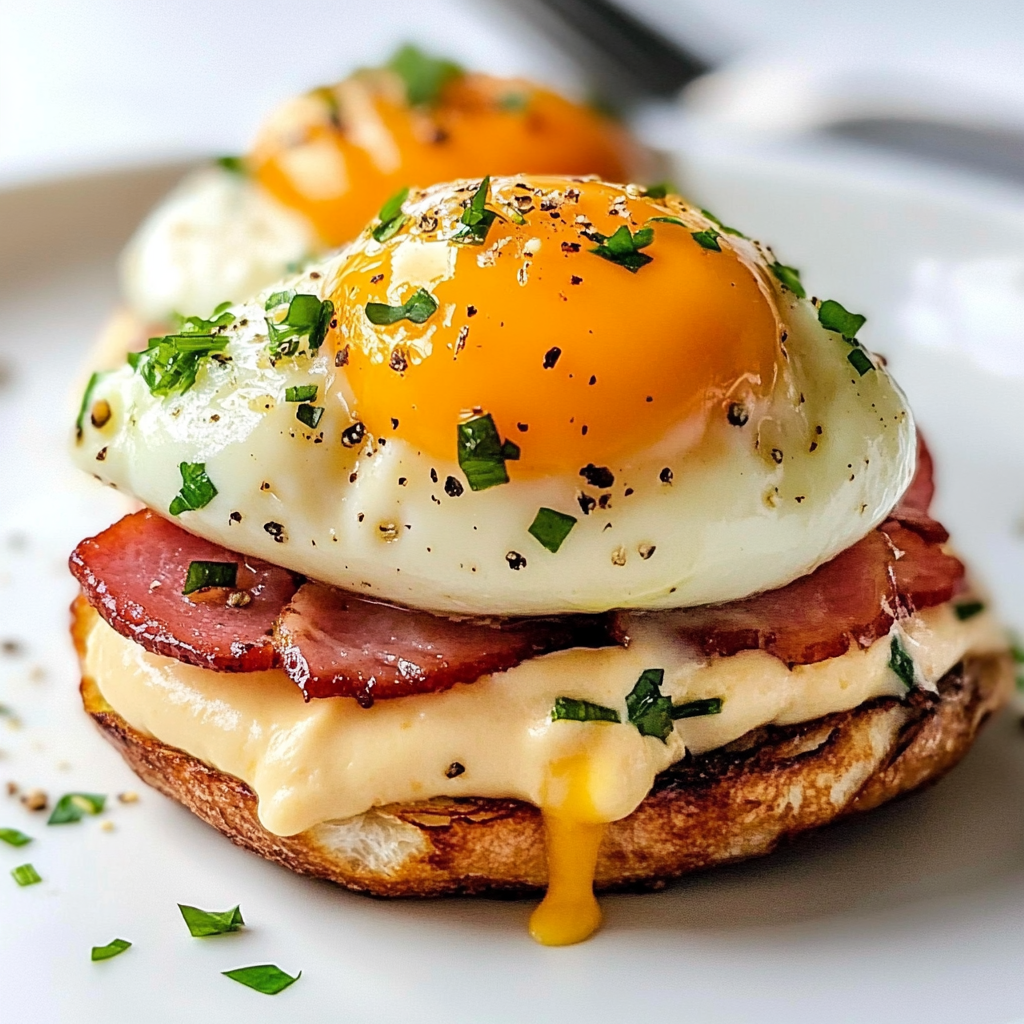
72	807
551	527
724	228
425	77
789	277
265	978
648	710
481	454
659	190
697	708
678	221
111	949
278	299
234	164
419	307
859	360
623	247
309	415
87	401
197	490
476	220
707	239
203	923
391	217
569	709
14	837
308	317
835	317
169	365
25	874
901	663
210	574
302	393
968	609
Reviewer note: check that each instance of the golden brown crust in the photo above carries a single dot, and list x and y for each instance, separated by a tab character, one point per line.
737	802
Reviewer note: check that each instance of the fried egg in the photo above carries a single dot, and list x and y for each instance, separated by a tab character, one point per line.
323	163
533	395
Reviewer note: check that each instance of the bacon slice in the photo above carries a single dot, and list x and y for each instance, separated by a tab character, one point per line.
852	600
334	644
118	569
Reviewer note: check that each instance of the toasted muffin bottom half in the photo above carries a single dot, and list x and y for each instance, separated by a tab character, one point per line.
736	802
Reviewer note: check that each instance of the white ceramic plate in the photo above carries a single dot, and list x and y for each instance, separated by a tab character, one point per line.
915	913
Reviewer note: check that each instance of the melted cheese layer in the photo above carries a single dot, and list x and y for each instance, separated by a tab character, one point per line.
331	759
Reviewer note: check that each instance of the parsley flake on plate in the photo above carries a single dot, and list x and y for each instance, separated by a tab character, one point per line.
570	709
551	527
25	874
203	923
72	807
197	489
113	948
481	453
14	837
265	978
418	308
623	247
201	575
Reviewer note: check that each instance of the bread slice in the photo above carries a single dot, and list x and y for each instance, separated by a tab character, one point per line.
733	803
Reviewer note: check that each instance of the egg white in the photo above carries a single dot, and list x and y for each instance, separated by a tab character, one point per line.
216	236
377	519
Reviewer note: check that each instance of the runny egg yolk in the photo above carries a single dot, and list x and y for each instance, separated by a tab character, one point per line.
347	149
577	358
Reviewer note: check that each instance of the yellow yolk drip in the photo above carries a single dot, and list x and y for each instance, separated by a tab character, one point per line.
576	358
339	153
569	912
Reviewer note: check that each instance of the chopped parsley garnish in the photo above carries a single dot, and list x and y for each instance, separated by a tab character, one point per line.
658	190
87	400
834	317
859	360
697	708
210	574
25	874
569	709
265	978
234	164
653	714
551	528
678	221
203	923
476	219
197	490
707	239
648	710
901	663
14	837
309	415
307	317
391	217
789	277
724	228
302	393
424	77
968	609
419	307
623	248
72	807
169	365
111	949
482	456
